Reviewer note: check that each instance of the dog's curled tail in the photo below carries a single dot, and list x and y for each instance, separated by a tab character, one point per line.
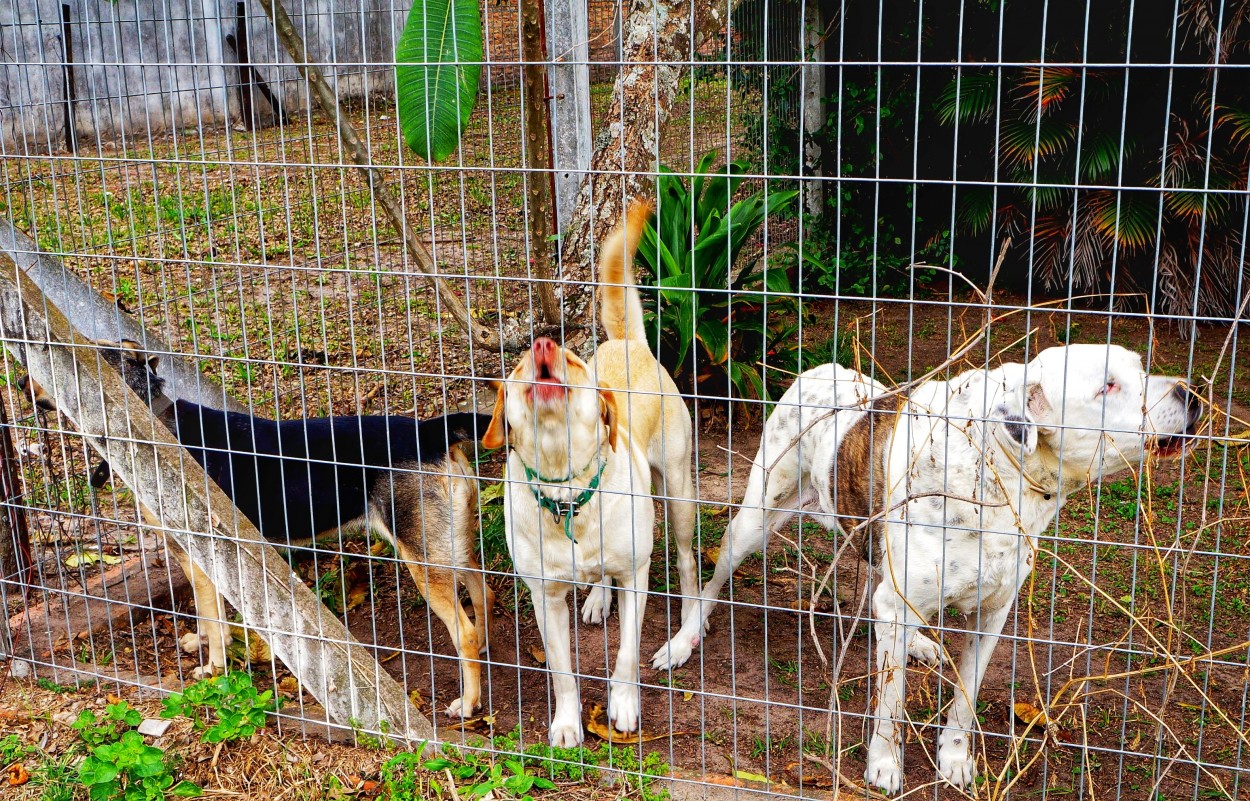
621	306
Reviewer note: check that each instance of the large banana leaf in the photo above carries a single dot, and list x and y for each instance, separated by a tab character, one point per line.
438	62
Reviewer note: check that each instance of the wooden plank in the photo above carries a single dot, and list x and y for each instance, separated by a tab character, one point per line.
341	673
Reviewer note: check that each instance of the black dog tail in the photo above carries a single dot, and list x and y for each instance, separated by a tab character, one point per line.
450	430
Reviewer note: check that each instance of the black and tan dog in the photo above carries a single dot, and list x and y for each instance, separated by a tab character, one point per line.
405	480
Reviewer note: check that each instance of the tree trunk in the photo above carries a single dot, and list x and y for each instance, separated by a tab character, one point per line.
477	333
658	46
537	147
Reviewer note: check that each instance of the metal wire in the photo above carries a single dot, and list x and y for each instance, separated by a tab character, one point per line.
178	165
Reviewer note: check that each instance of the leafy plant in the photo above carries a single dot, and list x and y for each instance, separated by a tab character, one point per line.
505	774
1065	136
736	313
119	764
229	702
438	63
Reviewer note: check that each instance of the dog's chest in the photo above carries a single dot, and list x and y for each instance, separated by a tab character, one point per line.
610	534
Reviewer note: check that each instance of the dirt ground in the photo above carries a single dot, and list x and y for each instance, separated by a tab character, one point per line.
278	278
1137	700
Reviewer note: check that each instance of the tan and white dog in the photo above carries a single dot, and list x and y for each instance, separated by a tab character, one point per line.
588	440
946	490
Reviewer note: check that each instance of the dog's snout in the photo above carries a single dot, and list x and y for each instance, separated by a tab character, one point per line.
544	349
23	384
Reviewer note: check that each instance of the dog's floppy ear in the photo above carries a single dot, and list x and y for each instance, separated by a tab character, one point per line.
607	412
496	435
154	362
1020	429
1036	407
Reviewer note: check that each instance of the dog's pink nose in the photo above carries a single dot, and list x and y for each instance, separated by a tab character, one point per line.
544	350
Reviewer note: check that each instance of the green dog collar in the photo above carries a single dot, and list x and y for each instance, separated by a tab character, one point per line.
563	510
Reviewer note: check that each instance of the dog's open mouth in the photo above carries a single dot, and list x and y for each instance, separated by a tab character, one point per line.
548	386
1173	445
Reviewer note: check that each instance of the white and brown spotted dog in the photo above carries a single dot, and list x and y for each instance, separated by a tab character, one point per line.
947	490
588	441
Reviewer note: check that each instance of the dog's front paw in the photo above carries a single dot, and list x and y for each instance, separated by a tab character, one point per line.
598	604
885	764
461	709
207	672
565	733
925	650
675	652
191	642
955	760
624	706
884	771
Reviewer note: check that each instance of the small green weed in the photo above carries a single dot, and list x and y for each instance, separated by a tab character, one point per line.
239	711
120	765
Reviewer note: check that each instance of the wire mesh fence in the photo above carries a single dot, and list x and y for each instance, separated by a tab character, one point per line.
919	195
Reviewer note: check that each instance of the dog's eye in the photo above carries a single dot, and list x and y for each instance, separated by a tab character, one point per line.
1108	388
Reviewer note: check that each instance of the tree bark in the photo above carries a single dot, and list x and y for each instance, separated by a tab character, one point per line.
661	37
537	146
478	334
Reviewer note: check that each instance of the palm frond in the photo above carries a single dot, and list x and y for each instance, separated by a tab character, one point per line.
1101	155
969	97
1022	141
1124	217
1042	89
1237	121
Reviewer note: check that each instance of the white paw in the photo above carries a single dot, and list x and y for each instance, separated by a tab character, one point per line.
624	706
565	733
955	761
925	650
675	652
205	672
191	642
598	604
458	709
884	771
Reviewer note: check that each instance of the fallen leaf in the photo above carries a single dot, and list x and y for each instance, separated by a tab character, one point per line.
687	695
819	779
1030	714
751	777
597	724
289	685
482	724
112	699
79	558
806	605
357	595
258	651
536	651
18	775
417	700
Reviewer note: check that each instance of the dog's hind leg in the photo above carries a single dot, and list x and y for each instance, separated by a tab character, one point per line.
956	762
438	585
761	513
483	598
681	513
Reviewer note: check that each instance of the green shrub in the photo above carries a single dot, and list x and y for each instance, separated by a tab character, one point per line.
738	314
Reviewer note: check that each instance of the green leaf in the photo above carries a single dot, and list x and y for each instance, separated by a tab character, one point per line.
186	789
438	62
969	96
437	764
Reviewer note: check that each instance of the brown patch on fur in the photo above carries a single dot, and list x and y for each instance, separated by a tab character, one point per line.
860	476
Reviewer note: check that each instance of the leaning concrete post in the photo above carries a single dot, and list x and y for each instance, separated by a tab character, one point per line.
197	515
